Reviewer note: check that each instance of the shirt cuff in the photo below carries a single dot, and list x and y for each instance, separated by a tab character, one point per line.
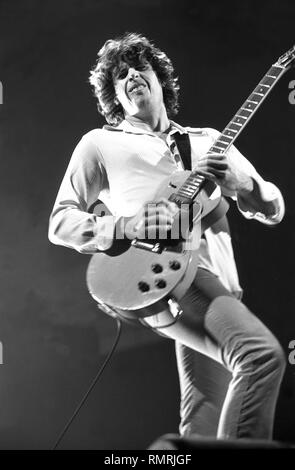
103	237
269	193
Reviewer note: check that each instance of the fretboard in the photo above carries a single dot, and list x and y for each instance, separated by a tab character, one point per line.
195	182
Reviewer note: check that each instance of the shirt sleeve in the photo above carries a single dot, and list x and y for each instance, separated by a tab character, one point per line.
269	192
70	223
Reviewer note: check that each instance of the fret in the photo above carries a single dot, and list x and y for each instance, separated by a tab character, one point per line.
192	184
280	67
190	188
225	141
247	109
263	84
226	137
277	66
197	180
183	192
193	190
186	195
186	188
274	68
195	176
228	131
215	149
189	182
250	101
221	145
249	106
240	116
260	96
192	178
271	76
268	80
234	124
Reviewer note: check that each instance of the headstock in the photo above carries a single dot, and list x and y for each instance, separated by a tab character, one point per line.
287	60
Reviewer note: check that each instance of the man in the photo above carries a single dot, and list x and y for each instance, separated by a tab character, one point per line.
122	164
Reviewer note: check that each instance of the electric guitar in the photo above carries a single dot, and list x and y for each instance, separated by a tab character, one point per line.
139	278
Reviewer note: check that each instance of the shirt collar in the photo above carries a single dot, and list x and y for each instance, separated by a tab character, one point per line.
177	128
125	126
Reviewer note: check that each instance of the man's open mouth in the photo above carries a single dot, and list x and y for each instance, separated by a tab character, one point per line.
136	87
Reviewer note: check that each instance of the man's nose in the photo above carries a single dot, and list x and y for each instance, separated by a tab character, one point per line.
133	73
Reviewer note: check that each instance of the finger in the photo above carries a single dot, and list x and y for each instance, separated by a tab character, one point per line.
138	226
217	159
171	206
161	210
157	231
211	158
213	154
163	201
206	174
213	164
217	156
163	227
220	174
159	219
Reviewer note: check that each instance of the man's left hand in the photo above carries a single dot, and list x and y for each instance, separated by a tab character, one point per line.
217	167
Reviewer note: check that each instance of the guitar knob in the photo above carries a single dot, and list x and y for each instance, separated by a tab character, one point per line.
157	268
160	283
175	265
143	286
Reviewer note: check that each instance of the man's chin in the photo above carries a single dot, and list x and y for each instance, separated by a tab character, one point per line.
139	106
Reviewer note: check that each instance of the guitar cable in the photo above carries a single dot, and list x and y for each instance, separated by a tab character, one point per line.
92	385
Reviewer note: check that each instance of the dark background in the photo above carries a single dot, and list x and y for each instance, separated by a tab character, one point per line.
54	338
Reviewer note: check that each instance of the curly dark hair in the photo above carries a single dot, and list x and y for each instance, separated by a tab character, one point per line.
135	50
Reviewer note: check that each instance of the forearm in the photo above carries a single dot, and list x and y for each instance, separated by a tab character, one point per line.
70	223
256	198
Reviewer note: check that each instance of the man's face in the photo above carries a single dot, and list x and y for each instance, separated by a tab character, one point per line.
138	89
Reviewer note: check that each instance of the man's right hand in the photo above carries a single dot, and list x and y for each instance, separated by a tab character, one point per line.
153	220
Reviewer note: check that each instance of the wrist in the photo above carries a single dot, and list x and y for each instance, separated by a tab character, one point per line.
125	229
245	187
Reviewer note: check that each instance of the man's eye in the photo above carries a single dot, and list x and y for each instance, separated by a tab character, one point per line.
122	73
142	67
119	74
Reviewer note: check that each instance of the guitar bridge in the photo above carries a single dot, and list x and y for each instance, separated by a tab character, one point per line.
153	247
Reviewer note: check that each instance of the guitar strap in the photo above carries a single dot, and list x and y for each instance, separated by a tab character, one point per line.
184	147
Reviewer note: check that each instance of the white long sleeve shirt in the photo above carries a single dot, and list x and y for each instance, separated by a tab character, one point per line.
123	167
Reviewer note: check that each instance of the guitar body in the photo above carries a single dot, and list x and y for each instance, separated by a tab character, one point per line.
137	280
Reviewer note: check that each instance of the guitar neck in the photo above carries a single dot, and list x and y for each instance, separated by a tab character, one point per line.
195	182
247	110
